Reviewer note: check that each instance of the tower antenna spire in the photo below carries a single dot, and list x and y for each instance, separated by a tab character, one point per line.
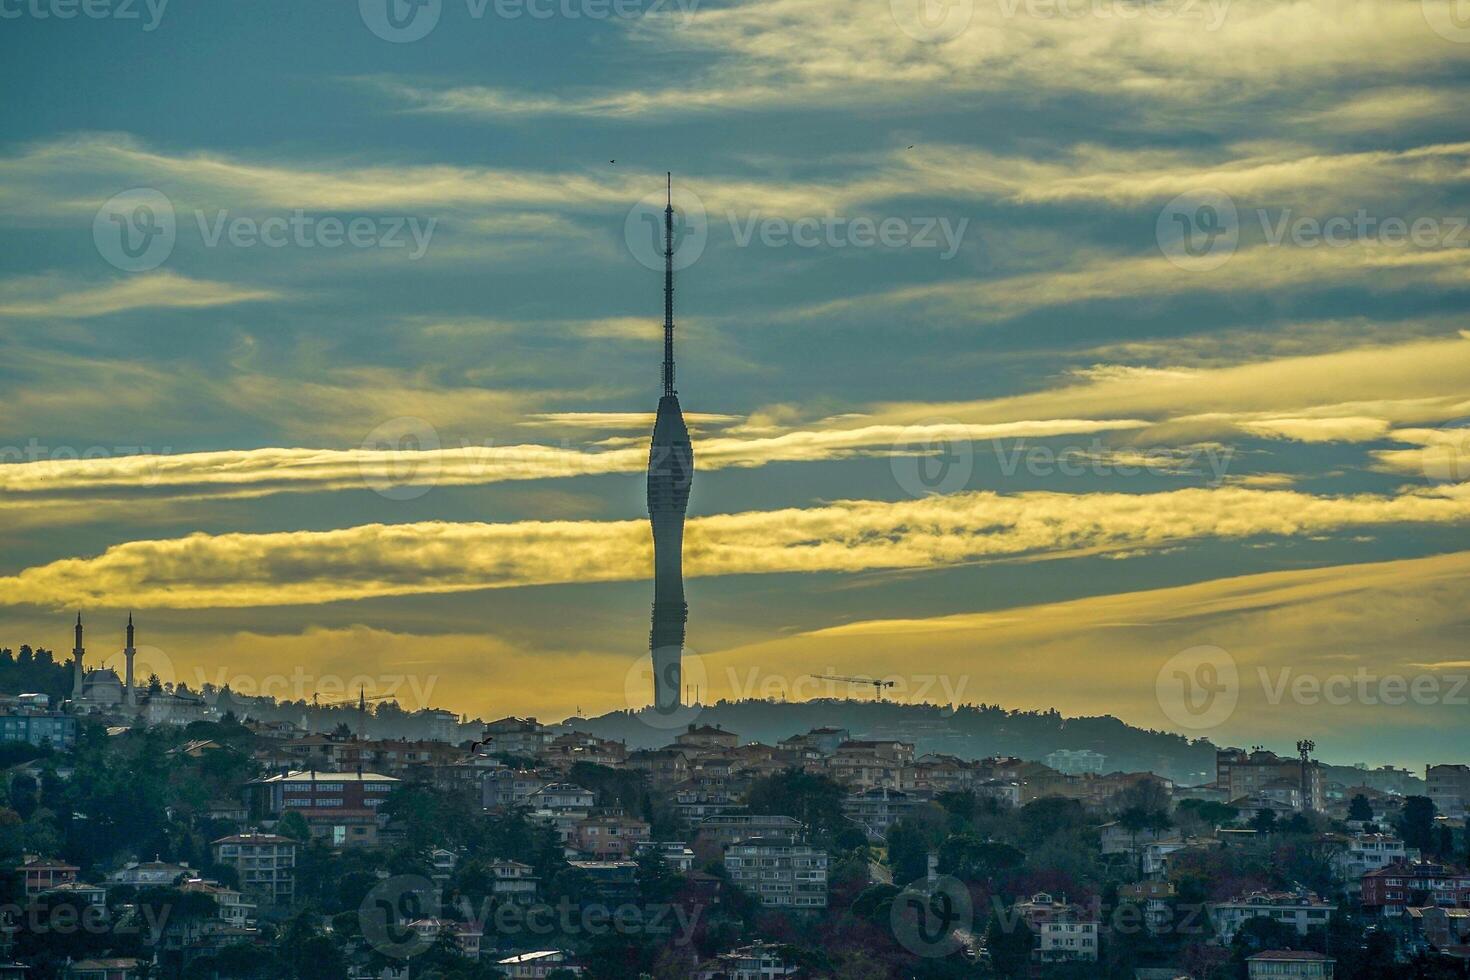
669	286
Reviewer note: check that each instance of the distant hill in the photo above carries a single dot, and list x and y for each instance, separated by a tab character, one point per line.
968	731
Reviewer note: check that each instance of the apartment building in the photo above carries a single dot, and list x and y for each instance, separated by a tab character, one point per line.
266	864
779	872
1300	910
1449	787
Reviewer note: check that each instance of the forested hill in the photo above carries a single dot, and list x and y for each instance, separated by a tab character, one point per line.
968	731
30	671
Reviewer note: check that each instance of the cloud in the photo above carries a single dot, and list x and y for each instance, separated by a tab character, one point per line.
296	567
1184	61
1371	265
384	464
1104	654
45	298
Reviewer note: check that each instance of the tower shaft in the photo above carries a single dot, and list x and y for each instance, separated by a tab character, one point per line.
670	473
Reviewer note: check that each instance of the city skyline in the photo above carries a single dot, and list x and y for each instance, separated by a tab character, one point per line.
1090	342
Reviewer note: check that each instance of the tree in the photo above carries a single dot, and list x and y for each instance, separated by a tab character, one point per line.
814	799
1048	816
908	852
1416	823
1360	809
294	826
1264	822
1009	941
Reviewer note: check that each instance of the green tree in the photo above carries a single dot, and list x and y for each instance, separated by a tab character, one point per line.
1416	823
1009	941
1360	809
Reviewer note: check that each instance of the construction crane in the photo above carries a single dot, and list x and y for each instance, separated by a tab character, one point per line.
878	685
361	701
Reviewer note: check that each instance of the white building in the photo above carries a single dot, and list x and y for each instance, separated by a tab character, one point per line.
779	871
1301	910
1075	762
536	965
758	961
514	881
1369	852
1064	931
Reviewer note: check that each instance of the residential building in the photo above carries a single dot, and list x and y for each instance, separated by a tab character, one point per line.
40	876
234	910
1302	910
150	874
706	738
514	881
1449	787
718	831
1154	901
1289	964
779	871
1439	927
537	964
1246	774
500	788
675	853
341	808
665	767
822	740
1074	762
39	728
610	837
82	892
758	961
265	863
1415	884
561	798
1063	931
523	738
1369	852
877	809
118	968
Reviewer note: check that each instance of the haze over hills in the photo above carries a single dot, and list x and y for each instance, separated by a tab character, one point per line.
968	731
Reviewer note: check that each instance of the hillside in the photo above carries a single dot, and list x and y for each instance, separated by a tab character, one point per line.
969	731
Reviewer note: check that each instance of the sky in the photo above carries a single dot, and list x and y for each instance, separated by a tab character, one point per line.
1087	354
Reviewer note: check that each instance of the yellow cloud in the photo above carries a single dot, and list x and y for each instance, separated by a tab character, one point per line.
44	298
296	567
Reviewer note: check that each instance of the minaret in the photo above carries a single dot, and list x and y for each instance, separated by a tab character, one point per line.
77	652
130	697
670	472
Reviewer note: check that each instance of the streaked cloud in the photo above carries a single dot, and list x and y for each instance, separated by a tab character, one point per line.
46	298
377	560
